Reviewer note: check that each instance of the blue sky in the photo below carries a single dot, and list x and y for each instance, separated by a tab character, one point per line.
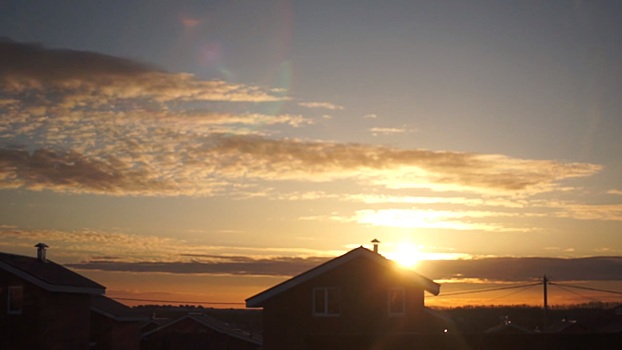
134	132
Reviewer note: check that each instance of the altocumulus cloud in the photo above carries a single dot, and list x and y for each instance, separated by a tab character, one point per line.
83	122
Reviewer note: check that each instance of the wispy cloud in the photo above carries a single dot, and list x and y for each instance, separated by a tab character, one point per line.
608	212
525	269
461	220
90	244
389	131
225	265
324	105
489	269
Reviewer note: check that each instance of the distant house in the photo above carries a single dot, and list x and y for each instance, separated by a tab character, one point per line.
199	332
47	306
114	325
508	327
153	323
360	293
567	326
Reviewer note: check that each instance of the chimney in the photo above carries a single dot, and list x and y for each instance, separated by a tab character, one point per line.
375	242
41	251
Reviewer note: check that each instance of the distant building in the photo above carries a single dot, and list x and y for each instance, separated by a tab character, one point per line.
360	294
114	325
199	332
47	306
568	326
508	327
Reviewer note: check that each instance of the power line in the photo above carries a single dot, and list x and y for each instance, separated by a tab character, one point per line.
515	292
586	288
181	302
524	286
488	289
573	292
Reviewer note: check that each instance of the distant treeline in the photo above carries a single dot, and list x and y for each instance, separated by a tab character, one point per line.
467	318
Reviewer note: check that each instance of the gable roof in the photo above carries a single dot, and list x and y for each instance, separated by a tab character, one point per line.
48	275
258	299
507	327
213	324
114	310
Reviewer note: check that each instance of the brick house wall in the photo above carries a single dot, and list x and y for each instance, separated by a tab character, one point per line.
46	321
107	333
364	298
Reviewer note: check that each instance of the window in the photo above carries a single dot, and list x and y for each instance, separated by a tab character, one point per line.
396	302
16	300
326	301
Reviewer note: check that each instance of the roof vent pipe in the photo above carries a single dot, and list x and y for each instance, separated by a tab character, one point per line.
41	251
375	242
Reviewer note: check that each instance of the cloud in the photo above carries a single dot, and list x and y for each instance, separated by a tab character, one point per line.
439	219
89	244
115	251
488	269
324	105
580	211
165	162
430	200
525	269
388	131
76	79
221	265
77	245
399	168
83	122
370	116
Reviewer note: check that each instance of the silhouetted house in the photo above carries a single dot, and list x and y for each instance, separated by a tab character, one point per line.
114	325
152	323
199	332
358	294
508	327
47	306
615	324
567	326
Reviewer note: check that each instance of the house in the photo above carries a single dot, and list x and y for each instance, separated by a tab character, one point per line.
358	294
44	305
153	323
568	326
114	325
199	332
508	327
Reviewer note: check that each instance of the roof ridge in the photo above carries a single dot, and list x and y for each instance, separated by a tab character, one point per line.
257	299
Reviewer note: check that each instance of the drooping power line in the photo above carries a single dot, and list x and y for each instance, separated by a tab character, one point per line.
586	288
488	289
180	302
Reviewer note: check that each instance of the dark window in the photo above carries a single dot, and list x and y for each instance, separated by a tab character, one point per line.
326	301
16	300
397	301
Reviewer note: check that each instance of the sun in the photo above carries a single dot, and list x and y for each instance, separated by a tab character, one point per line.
405	254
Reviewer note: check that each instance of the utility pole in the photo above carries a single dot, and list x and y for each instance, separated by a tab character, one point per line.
545	321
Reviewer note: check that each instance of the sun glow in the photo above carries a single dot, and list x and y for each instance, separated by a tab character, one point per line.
405	254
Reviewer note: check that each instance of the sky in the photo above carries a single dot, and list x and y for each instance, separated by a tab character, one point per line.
207	150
